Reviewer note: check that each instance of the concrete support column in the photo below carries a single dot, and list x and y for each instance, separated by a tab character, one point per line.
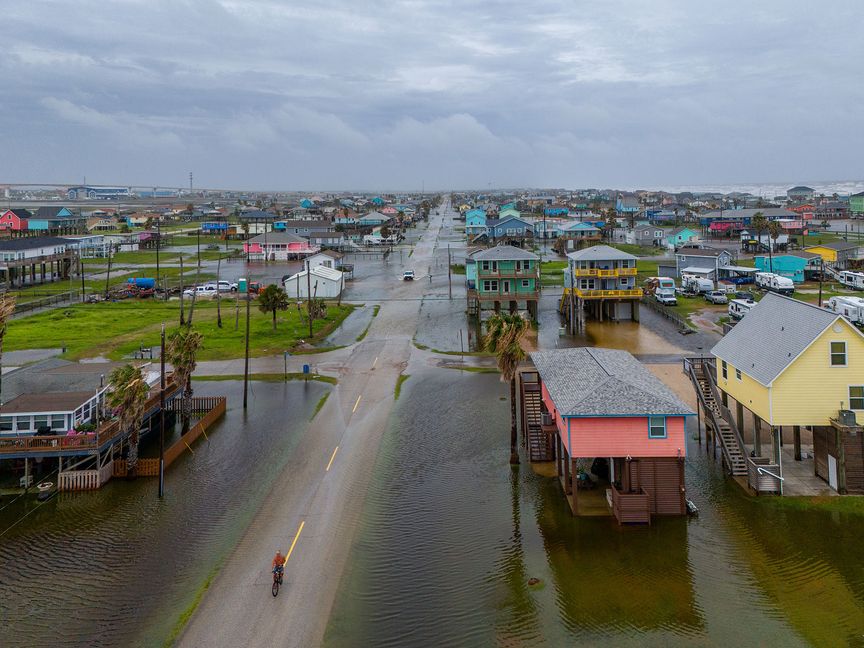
757	435
574	487
796	441
635	310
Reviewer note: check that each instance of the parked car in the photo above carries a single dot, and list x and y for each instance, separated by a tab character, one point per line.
408	275
743	294
666	298
716	297
224	286
200	291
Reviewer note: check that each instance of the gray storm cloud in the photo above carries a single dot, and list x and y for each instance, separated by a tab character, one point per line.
328	95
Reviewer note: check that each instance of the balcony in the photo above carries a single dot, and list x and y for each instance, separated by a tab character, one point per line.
500	295
599	272
634	293
507	274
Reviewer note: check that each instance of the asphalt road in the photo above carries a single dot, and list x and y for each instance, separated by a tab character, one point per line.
315	504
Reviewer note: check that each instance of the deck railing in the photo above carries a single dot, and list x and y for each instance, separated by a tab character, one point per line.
603	272
599	294
631	508
77	443
763	475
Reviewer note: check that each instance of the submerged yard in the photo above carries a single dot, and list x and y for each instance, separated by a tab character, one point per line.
117	329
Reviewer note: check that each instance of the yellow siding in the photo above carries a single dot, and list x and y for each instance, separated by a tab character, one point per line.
828	255
746	391
811	390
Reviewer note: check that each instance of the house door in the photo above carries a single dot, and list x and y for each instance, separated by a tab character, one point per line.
832	472
505	286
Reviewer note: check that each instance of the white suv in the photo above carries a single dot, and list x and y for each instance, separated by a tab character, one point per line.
201	291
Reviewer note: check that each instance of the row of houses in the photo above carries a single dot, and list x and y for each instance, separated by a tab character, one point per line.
45	220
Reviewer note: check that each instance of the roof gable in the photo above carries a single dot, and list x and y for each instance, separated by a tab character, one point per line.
772	336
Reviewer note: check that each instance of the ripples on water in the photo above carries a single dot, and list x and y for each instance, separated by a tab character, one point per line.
117	567
451	536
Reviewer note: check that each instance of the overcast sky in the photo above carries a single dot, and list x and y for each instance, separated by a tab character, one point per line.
329	94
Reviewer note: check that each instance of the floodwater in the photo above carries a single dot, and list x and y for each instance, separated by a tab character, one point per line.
117	566
451	536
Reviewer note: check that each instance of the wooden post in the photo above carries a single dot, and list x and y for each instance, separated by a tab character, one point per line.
841	461
757	435
776	431
698	422
574	486
739	417
796	441
567	484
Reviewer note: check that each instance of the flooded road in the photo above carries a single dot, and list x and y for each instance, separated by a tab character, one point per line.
451	536
117	566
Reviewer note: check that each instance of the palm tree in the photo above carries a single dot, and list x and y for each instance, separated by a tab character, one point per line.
774	231
180	351
504	333
7	308
128	398
271	299
758	224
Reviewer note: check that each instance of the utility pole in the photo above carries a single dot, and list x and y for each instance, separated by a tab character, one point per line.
449	274
199	248
162	414
158	245
246	360
821	277
309	295
190	183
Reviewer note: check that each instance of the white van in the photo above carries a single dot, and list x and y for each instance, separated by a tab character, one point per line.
853	280
852	308
775	283
738	308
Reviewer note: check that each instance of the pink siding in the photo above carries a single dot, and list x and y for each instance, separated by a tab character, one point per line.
620	437
560	423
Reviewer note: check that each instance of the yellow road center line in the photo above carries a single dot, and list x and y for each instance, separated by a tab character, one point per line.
376	362
291	549
332	457
357	403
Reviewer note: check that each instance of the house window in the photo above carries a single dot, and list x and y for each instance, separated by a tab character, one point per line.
22	423
623	281
656	427
838	354
738	374
58	422
725	370
5	423
856	397
490	285
526	283
485	265
40	421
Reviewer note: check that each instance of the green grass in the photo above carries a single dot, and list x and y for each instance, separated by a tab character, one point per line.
398	388
639	250
270	377
484	370
186	614
116	329
457	268
320	405
422	347
552	273
645	268
375	310
362	336
850	505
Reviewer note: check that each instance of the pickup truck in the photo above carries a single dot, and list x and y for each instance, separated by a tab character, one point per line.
200	292
667	299
408	275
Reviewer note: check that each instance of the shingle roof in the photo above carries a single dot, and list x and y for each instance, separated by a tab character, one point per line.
278	237
836	245
701	252
590	381
599	253
773	334
258	214
503	253
47	402
32	242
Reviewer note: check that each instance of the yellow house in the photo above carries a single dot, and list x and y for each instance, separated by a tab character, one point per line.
836	252
792	363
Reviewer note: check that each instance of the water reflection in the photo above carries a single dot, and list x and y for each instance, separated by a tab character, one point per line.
117	566
451	536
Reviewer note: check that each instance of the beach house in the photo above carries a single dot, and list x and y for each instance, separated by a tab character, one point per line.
615	429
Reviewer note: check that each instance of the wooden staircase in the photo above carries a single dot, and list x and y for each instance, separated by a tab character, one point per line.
720	418
537	440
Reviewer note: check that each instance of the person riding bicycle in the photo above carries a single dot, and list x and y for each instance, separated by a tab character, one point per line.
278	562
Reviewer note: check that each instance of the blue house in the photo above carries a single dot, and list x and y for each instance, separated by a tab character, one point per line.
55	219
509	205
475	222
373	218
556	211
511	227
626	205
797	266
307	204
680	236
378	200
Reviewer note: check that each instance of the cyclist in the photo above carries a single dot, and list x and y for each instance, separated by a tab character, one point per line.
278	562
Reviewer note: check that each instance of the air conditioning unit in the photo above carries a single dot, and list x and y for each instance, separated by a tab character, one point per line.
546	418
847	417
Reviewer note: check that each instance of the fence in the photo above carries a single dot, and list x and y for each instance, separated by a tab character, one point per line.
197	430
56	298
666	312
75	480
145	468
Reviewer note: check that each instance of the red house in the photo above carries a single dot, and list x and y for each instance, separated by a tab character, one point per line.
15	219
613	427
